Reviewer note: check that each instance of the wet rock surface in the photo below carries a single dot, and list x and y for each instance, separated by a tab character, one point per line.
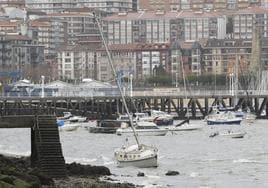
17	172
172	173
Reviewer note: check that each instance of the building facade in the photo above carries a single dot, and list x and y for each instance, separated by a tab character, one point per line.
81	27
246	20
76	62
224	56
197	5
17	52
110	6
159	26
51	33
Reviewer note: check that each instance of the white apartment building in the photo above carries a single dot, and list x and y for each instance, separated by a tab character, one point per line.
52	6
264	3
75	62
203	25
246	20
165	27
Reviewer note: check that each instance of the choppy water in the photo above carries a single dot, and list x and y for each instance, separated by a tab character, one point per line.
202	161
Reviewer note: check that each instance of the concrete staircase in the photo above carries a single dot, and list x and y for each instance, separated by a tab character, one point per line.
48	147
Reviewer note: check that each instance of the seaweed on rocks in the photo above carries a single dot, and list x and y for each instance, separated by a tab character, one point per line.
87	170
17	172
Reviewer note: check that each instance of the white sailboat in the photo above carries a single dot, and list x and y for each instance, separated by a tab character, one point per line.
185	125
143	128
138	155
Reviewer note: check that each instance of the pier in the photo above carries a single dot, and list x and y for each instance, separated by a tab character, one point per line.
46	151
197	106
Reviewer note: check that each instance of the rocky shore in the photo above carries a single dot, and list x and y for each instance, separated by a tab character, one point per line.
17	173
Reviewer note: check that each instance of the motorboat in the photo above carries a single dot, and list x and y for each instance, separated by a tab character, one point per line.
69	127
142	116
162	118
143	128
105	126
187	126
141	156
227	117
77	119
232	134
66	115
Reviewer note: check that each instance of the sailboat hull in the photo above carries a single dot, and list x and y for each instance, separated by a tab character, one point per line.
223	122
141	163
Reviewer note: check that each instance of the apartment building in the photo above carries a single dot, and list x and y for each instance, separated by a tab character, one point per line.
247	19
264	3
159	26
18	51
124	60
10	25
197	5
81	27
76	62
221	56
51	33
14	3
110	6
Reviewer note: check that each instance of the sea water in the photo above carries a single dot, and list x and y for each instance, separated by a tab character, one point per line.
203	162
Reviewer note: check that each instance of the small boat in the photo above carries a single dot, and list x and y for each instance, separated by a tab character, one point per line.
77	119
161	118
141	156
105	126
143	128
66	115
185	125
69	127
233	134
227	117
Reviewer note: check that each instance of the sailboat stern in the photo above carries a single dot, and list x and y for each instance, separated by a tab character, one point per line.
142	156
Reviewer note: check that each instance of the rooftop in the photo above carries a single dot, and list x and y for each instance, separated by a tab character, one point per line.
161	15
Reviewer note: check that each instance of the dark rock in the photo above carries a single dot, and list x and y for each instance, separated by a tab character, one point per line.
87	170
43	178
172	173
140	174
7	179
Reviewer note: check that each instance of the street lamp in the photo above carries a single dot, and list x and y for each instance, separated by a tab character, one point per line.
42	86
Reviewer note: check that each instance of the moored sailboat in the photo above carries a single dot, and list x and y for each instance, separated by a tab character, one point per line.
138	155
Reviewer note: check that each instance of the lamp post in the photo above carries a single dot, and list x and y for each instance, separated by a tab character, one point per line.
176	79
131	86
42	86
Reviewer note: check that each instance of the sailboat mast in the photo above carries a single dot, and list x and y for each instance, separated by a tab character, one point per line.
236	78
185	90
117	82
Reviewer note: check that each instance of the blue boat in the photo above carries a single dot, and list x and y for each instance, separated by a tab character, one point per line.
226	118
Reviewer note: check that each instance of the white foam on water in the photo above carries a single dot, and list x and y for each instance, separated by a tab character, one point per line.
245	161
12	153
194	174
80	160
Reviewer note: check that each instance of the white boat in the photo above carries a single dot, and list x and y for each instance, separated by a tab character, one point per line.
186	127
137	155
233	134
66	115
143	129
77	119
162	118
69	127
227	117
